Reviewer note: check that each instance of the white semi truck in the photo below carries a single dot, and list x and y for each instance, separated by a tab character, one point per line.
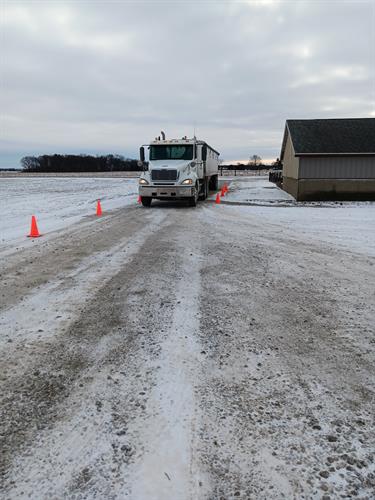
178	169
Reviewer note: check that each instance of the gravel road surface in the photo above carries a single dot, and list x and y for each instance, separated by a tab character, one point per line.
187	353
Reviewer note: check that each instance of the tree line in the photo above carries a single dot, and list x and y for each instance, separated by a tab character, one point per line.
255	163
78	163
244	166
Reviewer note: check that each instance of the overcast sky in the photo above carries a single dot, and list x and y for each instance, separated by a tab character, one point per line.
105	77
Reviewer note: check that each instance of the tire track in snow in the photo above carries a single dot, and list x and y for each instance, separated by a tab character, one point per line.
165	470
61	251
49	369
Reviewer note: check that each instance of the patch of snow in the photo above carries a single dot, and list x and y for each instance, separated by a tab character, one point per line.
349	226
51	307
255	189
346	224
57	202
164	471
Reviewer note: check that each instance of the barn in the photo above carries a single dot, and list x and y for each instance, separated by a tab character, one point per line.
329	159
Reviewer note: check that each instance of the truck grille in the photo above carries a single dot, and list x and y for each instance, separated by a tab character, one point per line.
164	175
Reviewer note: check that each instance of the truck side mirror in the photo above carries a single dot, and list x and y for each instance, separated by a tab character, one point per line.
142	153
204	152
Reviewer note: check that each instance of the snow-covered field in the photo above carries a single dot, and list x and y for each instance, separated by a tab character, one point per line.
56	202
171	353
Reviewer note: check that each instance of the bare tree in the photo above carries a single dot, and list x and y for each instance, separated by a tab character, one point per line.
29	163
255	160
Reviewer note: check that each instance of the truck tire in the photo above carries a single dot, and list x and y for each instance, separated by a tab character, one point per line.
146	201
206	180
204	189
214	182
194	199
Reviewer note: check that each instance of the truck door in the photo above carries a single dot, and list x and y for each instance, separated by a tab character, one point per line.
201	165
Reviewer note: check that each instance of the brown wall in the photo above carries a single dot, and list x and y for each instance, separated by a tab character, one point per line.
334	189
337	167
290	185
290	161
328	178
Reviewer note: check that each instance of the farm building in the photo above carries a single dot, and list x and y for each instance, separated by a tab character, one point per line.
331	159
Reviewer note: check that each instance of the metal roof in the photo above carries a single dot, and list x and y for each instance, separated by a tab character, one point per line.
344	136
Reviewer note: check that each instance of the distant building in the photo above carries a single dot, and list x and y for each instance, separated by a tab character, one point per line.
331	159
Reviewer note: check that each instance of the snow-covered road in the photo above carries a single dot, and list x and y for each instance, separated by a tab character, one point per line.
214	352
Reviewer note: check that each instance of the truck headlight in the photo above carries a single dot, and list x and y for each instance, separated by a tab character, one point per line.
187	181
143	181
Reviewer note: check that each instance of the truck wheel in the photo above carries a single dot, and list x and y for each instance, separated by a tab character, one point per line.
146	201
194	199
204	191
205	187
214	183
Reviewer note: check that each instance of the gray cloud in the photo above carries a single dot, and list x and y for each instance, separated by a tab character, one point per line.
107	76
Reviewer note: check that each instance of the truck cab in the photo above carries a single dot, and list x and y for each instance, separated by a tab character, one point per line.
177	169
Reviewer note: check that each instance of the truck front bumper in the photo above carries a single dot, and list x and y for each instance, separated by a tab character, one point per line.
163	192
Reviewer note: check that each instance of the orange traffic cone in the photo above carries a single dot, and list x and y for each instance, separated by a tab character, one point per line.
223	191
217	199
226	188
139	200
34	233
98	208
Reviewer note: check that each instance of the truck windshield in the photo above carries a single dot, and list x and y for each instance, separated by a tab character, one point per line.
171	152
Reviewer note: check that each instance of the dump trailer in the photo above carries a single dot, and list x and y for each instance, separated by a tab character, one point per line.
177	169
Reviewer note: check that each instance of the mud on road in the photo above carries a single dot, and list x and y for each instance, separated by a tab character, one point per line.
180	353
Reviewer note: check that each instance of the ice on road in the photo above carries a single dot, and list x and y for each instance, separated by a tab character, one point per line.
223	351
